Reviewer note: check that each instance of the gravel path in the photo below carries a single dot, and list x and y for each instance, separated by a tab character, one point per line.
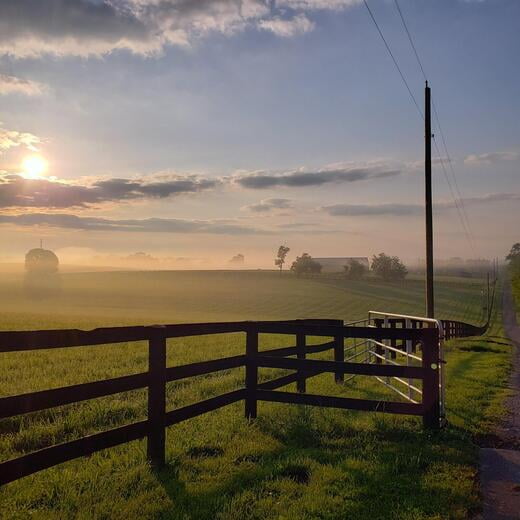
500	468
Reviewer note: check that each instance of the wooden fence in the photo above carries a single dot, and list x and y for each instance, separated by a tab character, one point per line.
293	358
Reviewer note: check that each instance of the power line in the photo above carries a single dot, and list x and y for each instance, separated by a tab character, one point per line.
394	59
450	163
461	210
410	39
457	204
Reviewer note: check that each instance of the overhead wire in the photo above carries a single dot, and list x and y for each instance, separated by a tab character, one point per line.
461	210
394	60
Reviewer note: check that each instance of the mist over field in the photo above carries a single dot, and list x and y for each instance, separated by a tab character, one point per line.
117	297
258	259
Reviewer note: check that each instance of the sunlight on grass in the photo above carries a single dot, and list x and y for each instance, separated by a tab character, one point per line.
292	462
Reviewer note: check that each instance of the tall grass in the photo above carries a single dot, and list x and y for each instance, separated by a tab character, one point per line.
292	462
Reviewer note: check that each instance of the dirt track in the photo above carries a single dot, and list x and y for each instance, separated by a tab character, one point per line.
500	468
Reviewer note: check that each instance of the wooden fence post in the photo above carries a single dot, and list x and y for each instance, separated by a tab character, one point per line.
251	371
431	378
301	383
156	398
393	342
379	350
339	357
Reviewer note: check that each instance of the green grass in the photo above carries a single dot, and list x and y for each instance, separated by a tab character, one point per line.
292	462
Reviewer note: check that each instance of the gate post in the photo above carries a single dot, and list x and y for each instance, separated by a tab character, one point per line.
156	397
301	383
251	371
431	378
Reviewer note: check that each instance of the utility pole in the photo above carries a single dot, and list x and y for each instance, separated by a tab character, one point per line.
428	201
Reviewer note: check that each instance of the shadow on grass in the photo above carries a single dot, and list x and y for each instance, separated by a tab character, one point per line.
381	473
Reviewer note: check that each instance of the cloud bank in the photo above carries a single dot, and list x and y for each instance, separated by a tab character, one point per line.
150	225
405	210
87	27
299	179
17	191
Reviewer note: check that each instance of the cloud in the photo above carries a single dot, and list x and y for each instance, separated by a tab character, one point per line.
15	85
419	165
491	158
151	225
16	191
299	179
405	210
364	210
267	205
12	139
287	28
309	5
86	27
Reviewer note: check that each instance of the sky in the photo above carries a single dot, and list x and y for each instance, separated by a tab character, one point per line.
208	128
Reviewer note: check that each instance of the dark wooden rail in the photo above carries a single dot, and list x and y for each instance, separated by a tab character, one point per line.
253	360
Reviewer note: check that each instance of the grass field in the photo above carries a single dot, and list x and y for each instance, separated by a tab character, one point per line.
292	462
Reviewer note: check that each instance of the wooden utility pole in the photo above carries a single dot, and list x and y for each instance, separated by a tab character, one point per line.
428	201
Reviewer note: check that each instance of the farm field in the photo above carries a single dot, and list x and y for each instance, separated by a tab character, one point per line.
292	462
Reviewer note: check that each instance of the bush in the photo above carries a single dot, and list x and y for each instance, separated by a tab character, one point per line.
355	270
305	265
388	267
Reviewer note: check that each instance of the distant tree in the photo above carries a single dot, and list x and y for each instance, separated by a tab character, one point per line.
280	257
514	255
355	270
238	259
305	265
388	267
514	264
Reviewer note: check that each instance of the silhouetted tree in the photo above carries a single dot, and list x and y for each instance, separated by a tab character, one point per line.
355	270
388	267
238	259
280	257
514	264
305	265
514	255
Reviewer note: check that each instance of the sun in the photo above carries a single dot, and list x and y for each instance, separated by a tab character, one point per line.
34	167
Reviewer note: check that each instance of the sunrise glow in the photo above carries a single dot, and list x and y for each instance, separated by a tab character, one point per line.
34	167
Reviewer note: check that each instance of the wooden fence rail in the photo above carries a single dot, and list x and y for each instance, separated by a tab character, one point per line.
254	359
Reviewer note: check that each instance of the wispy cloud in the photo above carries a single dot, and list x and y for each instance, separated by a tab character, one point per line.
299	179
405	210
287	28
16	85
491	158
151	225
267	205
86	27
13	138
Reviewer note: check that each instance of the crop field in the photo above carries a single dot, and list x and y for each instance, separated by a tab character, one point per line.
292	462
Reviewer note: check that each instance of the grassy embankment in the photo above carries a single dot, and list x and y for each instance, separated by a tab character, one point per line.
292	462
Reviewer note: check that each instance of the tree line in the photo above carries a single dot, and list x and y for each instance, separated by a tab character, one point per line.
386	267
